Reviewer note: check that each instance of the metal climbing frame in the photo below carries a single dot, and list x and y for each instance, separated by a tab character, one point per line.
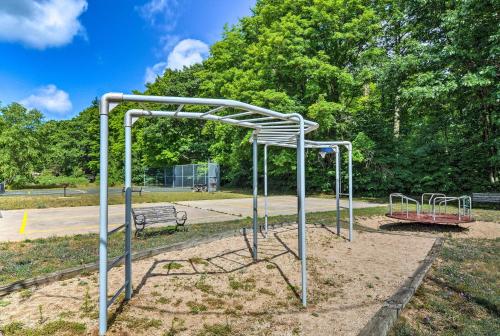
335	145
268	127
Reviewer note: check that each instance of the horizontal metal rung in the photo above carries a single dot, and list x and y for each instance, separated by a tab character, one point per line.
260	119
283	126
232	116
116	229
275	123
116	261
118	292
213	110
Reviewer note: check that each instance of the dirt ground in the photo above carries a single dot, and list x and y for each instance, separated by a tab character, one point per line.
478	229
215	287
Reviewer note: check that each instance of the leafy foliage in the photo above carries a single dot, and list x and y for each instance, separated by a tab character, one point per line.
413	84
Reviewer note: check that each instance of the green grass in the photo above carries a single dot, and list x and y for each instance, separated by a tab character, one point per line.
460	295
217	329
172	266
58	327
31	258
196	307
50	201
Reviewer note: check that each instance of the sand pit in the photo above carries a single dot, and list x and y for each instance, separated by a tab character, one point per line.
216	285
478	229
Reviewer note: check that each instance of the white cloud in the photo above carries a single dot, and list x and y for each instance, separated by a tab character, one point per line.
161	13
186	53
156	70
41	24
49	99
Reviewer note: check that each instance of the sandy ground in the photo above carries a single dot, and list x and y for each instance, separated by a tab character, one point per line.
479	229
218	283
41	223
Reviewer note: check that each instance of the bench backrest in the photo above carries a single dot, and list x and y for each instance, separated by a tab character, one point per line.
486	197
154	215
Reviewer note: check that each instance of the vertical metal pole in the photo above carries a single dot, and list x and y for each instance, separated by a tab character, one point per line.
255	182
302	210
165	177
351	216
299	236
103	219
128	211
265	190
337	186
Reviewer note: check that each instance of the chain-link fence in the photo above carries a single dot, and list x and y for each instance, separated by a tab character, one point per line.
202	176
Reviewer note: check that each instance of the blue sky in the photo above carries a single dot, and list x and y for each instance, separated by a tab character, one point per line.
57	55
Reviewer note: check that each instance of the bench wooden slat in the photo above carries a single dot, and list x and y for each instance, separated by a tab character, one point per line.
486	197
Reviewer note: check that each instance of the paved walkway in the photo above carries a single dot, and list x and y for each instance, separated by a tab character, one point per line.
39	223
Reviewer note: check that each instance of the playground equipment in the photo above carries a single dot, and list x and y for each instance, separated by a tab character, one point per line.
325	147
436	211
270	128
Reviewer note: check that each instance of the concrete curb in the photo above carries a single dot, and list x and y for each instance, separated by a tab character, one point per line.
381	323
92	267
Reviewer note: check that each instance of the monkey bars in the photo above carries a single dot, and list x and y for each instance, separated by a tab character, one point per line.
269	128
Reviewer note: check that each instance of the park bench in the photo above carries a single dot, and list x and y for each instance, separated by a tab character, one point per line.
157	215
486	197
134	190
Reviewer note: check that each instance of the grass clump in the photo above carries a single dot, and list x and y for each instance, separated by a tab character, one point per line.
217	329
25	294
196	307
214	302
176	327
88	307
202	285
141	323
163	300
58	327
247	284
172	266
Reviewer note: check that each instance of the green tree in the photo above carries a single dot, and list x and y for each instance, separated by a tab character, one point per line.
20	150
